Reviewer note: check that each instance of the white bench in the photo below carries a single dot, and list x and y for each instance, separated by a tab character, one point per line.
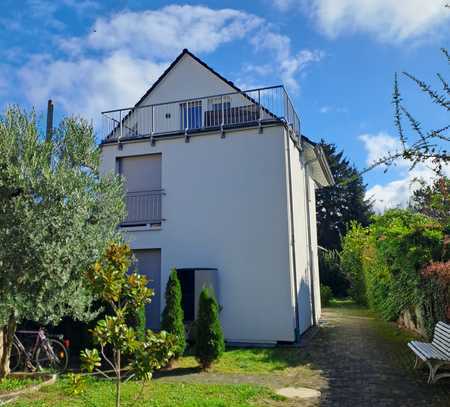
435	354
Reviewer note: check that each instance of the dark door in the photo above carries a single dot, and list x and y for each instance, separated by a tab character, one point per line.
187	282
149	264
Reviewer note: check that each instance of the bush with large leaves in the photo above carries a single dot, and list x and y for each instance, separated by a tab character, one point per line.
124	292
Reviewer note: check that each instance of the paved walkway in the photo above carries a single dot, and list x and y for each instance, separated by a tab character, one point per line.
363	368
353	360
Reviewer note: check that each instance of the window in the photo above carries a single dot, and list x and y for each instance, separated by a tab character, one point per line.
191	115
215	104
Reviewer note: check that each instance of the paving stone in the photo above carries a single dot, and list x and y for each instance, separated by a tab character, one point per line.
298	392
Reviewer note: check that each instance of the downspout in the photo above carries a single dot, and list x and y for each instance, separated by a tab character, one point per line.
294	263
308	218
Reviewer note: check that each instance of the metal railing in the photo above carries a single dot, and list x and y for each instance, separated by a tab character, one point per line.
143	207
256	106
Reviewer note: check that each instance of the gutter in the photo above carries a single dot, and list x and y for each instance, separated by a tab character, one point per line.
311	254
324	164
294	263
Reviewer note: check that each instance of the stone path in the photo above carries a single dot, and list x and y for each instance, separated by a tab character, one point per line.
351	362
362	368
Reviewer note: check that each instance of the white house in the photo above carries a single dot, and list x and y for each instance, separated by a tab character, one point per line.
221	186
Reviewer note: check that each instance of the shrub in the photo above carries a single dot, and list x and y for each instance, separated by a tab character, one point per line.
352	261
331	273
325	295
210	343
137	320
109	279
173	315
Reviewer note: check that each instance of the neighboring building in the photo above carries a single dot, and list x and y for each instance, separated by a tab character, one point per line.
221	185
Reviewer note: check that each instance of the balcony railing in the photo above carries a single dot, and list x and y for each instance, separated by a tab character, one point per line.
143	208
236	109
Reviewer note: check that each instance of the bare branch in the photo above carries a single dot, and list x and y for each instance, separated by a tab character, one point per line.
444	83
439	99
396	100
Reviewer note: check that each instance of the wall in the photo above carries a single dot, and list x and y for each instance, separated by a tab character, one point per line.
303	290
187	80
226	208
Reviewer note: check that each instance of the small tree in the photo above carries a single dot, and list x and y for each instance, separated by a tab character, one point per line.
173	315
210	343
124	292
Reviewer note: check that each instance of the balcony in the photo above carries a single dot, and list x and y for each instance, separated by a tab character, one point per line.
143	208
254	107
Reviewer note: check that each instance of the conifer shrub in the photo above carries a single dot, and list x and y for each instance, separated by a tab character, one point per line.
173	315
210	343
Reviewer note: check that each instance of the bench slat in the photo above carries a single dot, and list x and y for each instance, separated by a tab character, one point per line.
443	327
427	351
442	336
441	339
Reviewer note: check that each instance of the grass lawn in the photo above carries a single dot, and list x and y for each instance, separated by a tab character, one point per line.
347	307
235	386
12	384
250	360
101	394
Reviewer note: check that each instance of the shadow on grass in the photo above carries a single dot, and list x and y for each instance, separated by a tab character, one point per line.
177	371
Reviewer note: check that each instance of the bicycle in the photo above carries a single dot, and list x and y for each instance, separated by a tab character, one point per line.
44	354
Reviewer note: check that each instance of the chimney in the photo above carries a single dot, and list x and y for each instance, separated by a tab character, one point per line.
48	134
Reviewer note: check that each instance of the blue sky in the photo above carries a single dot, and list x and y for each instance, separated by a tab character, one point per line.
337	59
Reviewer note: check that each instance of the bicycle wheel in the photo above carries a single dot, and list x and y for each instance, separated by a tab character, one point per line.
15	358
53	356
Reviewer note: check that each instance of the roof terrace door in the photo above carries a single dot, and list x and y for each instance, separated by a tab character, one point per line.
191	115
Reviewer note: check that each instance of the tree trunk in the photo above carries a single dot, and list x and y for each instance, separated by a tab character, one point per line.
6	339
118	379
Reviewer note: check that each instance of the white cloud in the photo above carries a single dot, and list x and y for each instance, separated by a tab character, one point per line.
387	20
395	193
87	86
379	146
164	32
288	64
333	109
123	54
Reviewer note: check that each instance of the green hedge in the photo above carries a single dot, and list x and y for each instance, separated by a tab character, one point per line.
385	264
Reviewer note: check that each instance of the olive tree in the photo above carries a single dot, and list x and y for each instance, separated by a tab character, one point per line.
57	215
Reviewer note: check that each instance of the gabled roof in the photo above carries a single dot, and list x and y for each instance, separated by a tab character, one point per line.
175	62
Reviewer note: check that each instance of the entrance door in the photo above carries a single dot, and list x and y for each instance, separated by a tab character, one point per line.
149	264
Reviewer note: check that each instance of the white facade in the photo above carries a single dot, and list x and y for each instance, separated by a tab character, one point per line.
227	205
